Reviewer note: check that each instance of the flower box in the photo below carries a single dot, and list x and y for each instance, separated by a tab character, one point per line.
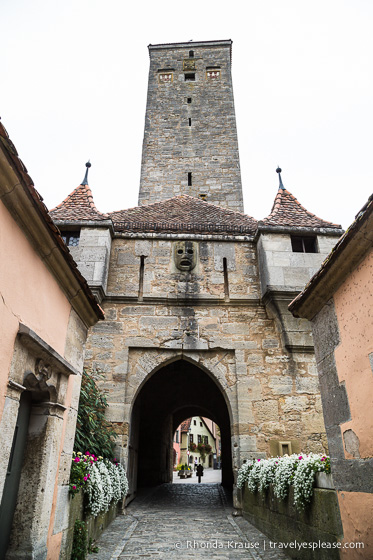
323	480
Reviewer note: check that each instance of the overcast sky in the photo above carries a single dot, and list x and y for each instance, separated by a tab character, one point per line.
74	80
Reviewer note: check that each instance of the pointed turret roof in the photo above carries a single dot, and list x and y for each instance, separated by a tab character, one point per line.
78	206
288	212
183	213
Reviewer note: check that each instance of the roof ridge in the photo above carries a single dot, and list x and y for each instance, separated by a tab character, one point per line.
187	196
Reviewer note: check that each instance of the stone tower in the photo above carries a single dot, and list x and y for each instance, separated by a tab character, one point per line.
190	140
195	292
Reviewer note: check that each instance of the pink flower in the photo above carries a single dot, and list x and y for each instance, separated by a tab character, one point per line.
95	458
74	487
86	478
91	462
88	454
77	460
300	457
323	458
258	460
88	475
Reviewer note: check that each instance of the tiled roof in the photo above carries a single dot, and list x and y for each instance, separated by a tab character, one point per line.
78	206
186	425
183	214
288	212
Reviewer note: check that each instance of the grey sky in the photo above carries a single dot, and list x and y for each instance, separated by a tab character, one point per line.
74	80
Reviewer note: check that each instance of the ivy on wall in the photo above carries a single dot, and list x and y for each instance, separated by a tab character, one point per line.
93	431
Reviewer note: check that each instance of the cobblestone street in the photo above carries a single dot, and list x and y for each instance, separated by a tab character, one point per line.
183	521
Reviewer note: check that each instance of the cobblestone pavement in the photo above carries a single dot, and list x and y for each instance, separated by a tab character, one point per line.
183	521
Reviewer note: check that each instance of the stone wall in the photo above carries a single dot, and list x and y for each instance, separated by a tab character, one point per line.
198	136
283	523
272	394
94	525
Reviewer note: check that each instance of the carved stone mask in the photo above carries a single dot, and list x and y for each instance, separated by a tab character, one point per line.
185	255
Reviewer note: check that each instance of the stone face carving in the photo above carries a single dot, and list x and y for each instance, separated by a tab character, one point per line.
185	255
43	370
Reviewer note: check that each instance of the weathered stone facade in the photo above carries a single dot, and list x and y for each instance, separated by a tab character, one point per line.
195	295
190	125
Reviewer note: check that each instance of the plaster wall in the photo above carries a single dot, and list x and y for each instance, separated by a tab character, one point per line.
353	303
27	290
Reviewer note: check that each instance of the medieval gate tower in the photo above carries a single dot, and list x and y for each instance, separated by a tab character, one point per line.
195	292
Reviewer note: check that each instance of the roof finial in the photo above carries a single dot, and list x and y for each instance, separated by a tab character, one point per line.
85	180
281	186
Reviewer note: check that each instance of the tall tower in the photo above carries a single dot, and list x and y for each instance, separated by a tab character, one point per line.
190	140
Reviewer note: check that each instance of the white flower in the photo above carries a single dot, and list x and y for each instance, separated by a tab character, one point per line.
107	482
298	470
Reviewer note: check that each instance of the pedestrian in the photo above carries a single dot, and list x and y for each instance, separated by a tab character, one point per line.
199	472
195	464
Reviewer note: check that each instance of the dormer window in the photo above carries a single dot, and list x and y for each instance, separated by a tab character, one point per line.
304	244
71	238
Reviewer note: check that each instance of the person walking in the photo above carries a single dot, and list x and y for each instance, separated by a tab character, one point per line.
199	472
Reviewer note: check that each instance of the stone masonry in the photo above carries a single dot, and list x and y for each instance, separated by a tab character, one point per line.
190	125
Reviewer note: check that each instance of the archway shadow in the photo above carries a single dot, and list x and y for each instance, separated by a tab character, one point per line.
176	391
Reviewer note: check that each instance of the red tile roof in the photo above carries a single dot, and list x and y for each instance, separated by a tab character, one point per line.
78	206
288	212
188	214
184	214
185	425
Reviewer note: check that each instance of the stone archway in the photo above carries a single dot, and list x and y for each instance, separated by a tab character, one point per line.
177	390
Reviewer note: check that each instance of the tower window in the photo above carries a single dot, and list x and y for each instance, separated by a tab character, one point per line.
190	122
191	54
189	179
189	100
302	244
71	238
190	77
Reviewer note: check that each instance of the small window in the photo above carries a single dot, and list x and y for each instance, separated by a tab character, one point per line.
200	424
303	244
190	122
189	100
190	438
199	439
191	54
189	179
285	448
194	422
71	238
177	436
191	77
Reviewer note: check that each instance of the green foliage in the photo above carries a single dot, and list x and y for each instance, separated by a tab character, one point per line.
80	549
204	448
92	547
93	431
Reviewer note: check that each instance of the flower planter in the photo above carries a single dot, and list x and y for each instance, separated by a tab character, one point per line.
185	474
323	480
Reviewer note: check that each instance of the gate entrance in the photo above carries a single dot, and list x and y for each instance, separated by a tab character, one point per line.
176	391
